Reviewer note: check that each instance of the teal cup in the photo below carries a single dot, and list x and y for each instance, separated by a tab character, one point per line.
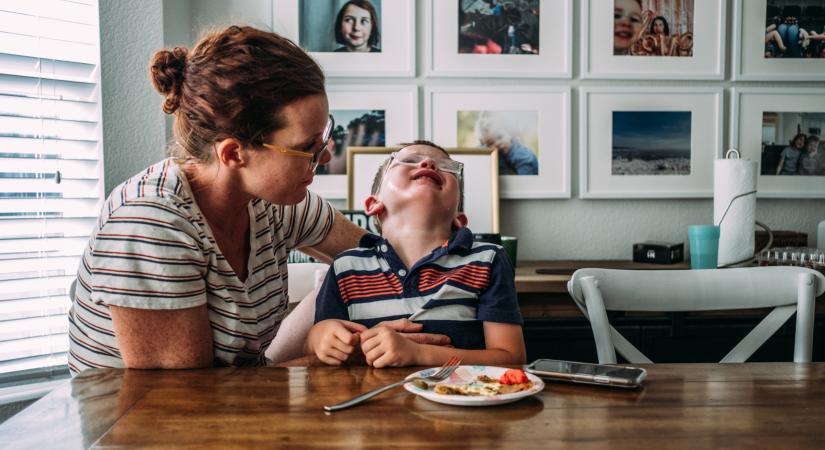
510	244
704	246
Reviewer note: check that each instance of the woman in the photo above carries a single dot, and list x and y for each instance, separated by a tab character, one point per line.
187	264
356	27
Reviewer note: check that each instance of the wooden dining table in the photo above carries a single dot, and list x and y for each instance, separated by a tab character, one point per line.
751	405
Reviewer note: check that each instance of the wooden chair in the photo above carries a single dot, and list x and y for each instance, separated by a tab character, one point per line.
788	289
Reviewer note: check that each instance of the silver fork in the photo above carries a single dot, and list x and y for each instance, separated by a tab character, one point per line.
441	374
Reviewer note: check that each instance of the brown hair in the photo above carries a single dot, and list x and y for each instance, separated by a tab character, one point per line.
379	176
375	33
234	83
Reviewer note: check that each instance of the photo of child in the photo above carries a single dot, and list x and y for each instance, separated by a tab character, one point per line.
354	128
498	26
794	30
791	143
340	25
653	27
513	133
651	142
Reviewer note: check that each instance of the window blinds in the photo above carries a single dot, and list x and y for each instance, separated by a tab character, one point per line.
51	174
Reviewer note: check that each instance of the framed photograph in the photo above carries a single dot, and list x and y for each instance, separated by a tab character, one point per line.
496	38
480	181
779	40
365	38
653	39
782	130
528	125
649	142
370	115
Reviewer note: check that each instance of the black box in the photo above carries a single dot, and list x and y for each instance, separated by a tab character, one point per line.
658	252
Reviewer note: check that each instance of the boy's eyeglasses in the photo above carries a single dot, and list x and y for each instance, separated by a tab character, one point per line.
314	154
414	159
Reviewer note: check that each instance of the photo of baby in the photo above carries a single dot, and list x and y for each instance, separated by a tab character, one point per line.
792	144
653	27
513	133
354	128
651	142
340	25
794	29
498	26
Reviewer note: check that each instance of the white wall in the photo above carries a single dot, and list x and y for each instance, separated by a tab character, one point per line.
547	229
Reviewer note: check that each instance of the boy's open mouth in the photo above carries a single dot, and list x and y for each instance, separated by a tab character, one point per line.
428	174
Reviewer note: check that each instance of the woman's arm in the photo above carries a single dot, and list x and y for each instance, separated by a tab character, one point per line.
344	235
163	339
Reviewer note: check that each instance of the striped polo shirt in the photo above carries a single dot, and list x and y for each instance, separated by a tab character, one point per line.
153	249
451	291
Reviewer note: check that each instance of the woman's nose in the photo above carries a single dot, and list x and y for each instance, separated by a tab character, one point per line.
325	156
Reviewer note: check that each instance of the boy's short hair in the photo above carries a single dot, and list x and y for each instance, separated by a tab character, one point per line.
379	176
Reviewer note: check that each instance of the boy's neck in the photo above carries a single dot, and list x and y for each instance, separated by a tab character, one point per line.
412	240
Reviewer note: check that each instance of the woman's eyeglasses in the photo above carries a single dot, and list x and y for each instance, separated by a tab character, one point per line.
314	154
414	159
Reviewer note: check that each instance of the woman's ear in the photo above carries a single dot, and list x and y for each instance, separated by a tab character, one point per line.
460	221
229	152
373	206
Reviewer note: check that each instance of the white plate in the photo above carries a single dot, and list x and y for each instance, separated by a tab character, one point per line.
467	374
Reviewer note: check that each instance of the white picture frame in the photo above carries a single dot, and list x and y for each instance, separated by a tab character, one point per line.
480	182
749	62
748	106
397	56
707	62
553	60
597	104
552	106
400	104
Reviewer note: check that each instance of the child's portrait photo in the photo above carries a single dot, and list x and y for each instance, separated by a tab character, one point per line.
651	143
340	25
498	27
794	29
653	27
792	143
353	128
513	133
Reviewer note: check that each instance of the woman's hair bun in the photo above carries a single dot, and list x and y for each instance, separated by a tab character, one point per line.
167	73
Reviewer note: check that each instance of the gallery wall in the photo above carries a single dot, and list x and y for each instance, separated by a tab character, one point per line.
573	228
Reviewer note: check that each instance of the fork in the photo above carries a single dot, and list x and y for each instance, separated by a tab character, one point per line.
441	374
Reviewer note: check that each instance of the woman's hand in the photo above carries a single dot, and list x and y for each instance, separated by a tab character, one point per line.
333	340
385	347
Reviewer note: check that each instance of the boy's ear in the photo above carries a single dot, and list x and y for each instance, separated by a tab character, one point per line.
460	221
373	206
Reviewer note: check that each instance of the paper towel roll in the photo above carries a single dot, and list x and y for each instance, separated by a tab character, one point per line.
732	177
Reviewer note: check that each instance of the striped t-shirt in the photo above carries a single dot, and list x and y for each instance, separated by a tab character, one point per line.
153	249
451	291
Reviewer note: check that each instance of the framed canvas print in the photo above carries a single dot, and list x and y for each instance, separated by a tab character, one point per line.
649	142
480	181
364	38
782	130
528	125
653	39
779	40
370	115
495	38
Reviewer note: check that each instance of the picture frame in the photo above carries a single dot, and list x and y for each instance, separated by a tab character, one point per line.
749	61
747	133
551	105
600	176
397	42
400	105
554	51
707	62
481	200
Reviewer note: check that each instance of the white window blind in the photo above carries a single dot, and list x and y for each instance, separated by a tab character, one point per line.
51	174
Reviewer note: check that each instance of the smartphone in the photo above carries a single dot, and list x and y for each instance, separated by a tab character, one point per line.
579	372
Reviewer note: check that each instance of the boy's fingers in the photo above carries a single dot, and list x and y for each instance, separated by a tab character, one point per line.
353	327
402	325
368	345
428	338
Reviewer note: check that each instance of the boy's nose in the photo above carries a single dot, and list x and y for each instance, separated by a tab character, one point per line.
428	163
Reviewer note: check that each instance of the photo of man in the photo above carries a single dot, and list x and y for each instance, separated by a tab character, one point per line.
513	133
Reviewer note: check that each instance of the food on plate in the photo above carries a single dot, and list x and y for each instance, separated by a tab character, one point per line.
513	380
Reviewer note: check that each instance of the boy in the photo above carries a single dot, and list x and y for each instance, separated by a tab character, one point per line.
426	268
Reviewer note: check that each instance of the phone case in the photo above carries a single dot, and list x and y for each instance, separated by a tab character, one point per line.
631	381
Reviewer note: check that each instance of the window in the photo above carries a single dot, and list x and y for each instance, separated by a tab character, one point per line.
51	183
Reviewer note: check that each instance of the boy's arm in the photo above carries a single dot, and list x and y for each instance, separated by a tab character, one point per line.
333	337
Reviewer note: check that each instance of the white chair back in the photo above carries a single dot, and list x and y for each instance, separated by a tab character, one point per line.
303	278
788	290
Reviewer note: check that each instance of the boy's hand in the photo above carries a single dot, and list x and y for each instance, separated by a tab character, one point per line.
385	347
410	330
333	340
